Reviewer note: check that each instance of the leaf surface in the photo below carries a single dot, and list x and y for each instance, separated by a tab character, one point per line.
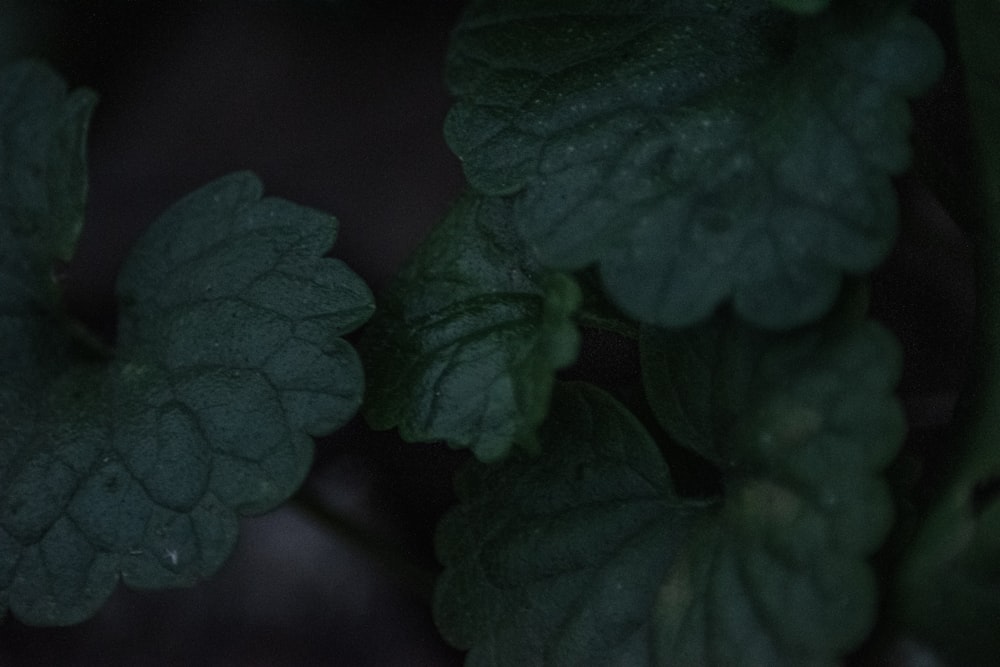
555	559
801	424
467	340
228	358
585	555
696	152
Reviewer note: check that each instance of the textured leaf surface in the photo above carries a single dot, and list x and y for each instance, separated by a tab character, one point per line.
584	555
697	152
800	424
555	560
229	357
466	343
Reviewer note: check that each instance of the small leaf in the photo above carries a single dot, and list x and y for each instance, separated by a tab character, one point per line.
42	165
466	343
556	559
229	357
801	424
696	152
43	187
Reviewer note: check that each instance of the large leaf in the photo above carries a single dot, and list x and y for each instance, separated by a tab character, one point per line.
555	560
696	152
801	424
229	357
466	343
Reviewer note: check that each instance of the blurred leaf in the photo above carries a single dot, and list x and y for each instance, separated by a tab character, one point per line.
801	425
803	6
948	592
697	152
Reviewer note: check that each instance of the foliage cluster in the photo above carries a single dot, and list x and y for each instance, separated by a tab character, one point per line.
710	181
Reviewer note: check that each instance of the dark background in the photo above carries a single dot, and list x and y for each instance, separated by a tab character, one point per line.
335	105
339	105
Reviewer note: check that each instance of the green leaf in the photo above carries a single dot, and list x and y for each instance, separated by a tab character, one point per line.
42	177
698	381
803	6
800	424
584	554
467	340
556	559
948	588
696	152
229	357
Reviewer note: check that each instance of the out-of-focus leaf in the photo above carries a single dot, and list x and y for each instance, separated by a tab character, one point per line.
696	152
948	591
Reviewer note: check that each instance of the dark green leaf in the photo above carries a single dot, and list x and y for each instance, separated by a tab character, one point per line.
948	590
555	560
229	357
803	6
42	178
698	381
775	574
466	342
697	152
801	424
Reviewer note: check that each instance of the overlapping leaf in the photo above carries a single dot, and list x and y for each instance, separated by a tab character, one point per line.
229	356
697	152
466	343
585	555
556	559
801	424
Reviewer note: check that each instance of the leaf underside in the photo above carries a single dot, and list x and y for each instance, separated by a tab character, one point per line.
229	357
466	342
696	152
